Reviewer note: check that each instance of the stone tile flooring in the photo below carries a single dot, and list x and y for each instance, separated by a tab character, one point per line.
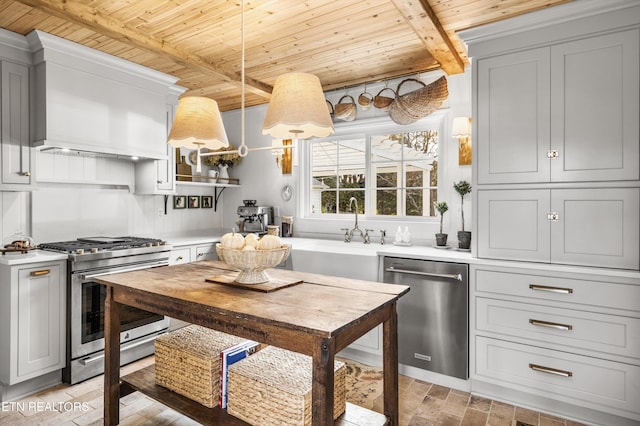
421	404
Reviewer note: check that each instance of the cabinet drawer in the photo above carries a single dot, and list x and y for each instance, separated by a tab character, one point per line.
580	291
571	328
179	256
206	252
566	377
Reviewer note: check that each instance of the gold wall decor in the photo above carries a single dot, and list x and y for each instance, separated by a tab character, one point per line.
464	151
286	157
462	131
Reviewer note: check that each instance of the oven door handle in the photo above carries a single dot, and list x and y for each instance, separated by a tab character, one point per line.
124	347
85	277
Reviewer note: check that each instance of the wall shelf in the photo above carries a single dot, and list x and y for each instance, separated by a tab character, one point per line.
218	187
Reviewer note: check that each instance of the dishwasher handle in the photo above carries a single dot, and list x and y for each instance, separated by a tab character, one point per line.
457	277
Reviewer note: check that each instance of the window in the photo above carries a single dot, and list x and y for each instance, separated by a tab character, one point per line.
389	174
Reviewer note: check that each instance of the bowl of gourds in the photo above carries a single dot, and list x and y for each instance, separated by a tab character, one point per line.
252	255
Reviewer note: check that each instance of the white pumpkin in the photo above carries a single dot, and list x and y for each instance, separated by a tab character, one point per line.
248	248
232	240
251	240
269	242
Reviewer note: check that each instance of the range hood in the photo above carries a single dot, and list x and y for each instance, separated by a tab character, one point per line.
87	102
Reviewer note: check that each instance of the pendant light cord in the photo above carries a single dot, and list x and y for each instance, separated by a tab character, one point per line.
243	150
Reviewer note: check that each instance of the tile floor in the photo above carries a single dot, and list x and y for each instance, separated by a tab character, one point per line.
421	404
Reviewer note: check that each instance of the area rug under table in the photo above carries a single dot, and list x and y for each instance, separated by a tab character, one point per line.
363	383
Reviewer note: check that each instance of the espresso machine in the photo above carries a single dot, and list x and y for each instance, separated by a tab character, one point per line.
253	218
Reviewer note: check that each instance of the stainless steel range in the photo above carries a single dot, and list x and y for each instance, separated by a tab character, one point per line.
94	257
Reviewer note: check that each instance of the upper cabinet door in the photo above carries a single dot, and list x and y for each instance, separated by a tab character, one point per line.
596	227
514	224
513	99
14	122
595	98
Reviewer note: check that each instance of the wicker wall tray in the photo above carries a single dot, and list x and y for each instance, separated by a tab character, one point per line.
275	283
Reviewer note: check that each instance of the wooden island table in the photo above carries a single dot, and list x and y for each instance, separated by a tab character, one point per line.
318	316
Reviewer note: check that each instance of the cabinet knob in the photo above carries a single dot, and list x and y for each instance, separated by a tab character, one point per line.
553	216
179	258
26	174
552	154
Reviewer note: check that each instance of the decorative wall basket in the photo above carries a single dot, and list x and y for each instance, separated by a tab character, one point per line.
412	106
346	111
331	110
383	102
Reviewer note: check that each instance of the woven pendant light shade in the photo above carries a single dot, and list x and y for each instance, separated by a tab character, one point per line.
297	109
198	124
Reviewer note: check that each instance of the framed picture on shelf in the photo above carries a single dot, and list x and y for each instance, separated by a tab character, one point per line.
179	201
206	201
194	201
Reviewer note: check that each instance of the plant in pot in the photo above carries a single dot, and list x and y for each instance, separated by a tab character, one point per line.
464	237
441	238
223	162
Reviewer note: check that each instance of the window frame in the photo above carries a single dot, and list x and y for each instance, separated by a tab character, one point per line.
364	129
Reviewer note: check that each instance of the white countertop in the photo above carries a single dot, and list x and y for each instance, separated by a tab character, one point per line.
193	238
354	248
33	256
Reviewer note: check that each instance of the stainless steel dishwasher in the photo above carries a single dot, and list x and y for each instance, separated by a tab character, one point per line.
433	317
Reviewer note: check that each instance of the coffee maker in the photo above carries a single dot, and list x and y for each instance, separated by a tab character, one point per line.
253	218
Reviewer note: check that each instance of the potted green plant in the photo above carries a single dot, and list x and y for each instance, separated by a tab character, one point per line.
222	162
441	238
464	237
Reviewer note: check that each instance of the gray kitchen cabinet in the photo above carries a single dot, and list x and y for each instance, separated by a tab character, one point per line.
554	311
193	253
187	254
155	177
561	113
513	95
179	256
33	326
14	123
590	227
564	336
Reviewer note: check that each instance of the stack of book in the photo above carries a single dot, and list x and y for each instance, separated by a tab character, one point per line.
228	357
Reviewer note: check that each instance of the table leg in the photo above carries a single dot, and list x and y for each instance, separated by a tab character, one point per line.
322	386
390	360
111	360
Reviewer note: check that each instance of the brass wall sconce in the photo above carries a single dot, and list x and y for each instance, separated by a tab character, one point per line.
462	132
283	154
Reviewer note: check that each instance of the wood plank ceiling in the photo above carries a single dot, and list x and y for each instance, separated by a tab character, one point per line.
343	42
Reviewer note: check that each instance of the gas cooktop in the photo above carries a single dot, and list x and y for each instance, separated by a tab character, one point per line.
95	244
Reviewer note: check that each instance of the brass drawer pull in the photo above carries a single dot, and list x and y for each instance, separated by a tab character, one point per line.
40	272
551	289
550	324
550	370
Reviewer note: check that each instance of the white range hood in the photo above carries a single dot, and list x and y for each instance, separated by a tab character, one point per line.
87	102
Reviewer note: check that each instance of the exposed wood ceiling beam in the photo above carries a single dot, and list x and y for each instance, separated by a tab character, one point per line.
87	17
425	23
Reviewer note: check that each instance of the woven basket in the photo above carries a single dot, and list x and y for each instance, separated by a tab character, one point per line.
346	111
419	103
252	263
383	102
273	388
188	362
365	99
330	108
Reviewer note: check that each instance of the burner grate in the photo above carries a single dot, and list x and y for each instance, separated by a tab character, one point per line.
100	243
